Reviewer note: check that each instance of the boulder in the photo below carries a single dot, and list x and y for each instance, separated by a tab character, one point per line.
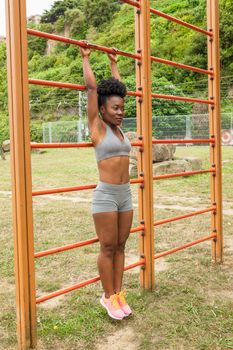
171	166
195	162
6	146
162	152
133	170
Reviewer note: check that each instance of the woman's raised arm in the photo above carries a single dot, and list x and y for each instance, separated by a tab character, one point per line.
113	65
90	81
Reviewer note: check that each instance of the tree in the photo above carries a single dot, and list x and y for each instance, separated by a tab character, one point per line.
100	12
59	8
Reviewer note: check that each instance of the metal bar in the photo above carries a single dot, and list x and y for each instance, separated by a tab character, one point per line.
181	98
17	65
215	127
165	221
61	145
211	140
72	145
181	65
80	285
131	266
81	43
71	86
65	248
63	189
144	115
74	188
173	250
78	244
186	173
67	290
183	23
57	84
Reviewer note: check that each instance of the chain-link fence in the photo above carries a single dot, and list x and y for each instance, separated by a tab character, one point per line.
65	131
163	127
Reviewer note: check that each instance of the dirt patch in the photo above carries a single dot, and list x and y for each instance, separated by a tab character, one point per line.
125	338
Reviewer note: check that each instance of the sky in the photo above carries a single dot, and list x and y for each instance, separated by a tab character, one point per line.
34	7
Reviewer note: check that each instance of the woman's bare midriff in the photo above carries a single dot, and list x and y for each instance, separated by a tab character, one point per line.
114	170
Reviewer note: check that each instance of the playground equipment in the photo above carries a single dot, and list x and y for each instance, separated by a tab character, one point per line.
22	193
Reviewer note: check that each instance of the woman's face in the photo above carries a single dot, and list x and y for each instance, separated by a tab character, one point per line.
113	110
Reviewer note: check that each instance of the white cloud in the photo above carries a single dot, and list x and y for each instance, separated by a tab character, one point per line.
33	8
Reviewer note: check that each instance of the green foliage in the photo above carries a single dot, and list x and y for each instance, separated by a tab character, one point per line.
37	45
3	77
36	132
100	12
4	127
58	10
75	19
226	35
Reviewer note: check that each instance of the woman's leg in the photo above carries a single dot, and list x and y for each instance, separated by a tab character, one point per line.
124	224
106	225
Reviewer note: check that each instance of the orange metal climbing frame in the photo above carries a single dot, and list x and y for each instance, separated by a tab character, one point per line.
18	85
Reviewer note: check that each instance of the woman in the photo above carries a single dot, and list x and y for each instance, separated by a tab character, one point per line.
112	200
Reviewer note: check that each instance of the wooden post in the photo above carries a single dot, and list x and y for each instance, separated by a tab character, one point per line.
17	61
215	126
144	130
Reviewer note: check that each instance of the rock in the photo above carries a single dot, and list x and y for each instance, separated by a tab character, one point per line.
133	170
162	152
6	146
196	163
2	153
171	166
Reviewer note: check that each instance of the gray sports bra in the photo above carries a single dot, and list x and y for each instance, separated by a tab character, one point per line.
112	146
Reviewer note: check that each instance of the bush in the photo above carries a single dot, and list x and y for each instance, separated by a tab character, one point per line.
36	132
4	127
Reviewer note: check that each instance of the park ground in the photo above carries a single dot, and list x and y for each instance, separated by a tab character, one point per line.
191	307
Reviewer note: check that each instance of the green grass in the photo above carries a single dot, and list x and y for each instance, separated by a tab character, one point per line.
191	306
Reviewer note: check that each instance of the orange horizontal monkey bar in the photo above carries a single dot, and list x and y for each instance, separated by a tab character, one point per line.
183	23
57	84
173	250
211	140
72	145
73	188
78	244
181	65
82	43
82	284
71	86
160	222
181	98
185	173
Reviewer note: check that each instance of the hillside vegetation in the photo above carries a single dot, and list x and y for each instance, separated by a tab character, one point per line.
111	23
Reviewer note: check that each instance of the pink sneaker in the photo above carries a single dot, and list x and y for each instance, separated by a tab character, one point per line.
112	306
123	304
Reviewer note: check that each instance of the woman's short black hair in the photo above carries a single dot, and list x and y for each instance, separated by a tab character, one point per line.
110	87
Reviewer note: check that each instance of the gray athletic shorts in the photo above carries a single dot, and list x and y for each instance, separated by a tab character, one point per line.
110	197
